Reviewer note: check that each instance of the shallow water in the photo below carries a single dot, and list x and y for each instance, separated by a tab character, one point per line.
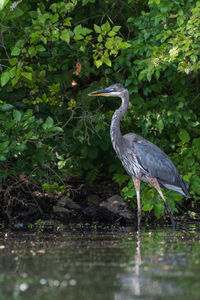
102	264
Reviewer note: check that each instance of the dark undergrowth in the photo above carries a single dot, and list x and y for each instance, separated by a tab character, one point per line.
25	205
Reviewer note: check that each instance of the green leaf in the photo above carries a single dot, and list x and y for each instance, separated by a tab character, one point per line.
27	75
15	51
147	207
84	2
106	27
97	28
13	61
41	48
184	135
29	135
116	28
9	124
56	128
6	107
142	74
32	51
78	29
195	184
17	115
67	21
128	192
3	3
35	36
4	145
180	20
65	36
43	39
86	31
78	37
149	76
109	43
20	147
80	32
111	33
160	124
98	63
107	61
5	76
158	209
82	48
196	143
48	124
100	38
2	158
35	137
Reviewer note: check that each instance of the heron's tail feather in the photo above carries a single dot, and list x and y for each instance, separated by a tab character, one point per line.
181	189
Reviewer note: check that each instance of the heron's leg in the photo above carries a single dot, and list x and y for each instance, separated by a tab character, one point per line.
137	188
155	184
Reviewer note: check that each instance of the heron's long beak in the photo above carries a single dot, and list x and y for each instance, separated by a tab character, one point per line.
104	92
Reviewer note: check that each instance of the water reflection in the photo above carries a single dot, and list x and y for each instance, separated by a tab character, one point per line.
120	264
138	261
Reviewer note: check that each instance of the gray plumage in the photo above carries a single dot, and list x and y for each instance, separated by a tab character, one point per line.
141	159
152	161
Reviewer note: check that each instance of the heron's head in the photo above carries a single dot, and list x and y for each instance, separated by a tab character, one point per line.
115	90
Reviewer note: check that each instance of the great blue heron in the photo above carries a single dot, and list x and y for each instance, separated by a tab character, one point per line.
141	159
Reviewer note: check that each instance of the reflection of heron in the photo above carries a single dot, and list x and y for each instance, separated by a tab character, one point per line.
138	262
141	159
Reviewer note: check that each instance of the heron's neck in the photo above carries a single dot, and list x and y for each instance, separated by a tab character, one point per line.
115	132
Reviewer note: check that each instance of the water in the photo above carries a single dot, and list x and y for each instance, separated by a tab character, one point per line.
101	264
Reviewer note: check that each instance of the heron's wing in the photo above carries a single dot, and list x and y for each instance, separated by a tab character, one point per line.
156	163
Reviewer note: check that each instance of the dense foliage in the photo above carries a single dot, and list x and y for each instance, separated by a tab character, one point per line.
54	52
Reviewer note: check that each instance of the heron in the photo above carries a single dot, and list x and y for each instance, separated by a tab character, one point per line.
142	160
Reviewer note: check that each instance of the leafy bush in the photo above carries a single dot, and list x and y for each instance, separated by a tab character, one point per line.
25	142
54	52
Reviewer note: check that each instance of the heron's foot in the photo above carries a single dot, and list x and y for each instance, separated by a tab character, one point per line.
169	210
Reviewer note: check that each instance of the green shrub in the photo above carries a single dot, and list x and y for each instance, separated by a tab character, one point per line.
54	52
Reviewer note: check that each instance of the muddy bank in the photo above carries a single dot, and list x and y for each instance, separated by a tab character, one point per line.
24	204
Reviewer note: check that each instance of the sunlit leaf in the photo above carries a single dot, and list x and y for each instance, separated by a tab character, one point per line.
97	28
65	36
58	129
147	207
98	63
3	3
15	51
184	135
5	76
27	75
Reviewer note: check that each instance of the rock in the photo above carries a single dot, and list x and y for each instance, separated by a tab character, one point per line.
60	210
68	203
100	214
93	200
116	205
115	198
